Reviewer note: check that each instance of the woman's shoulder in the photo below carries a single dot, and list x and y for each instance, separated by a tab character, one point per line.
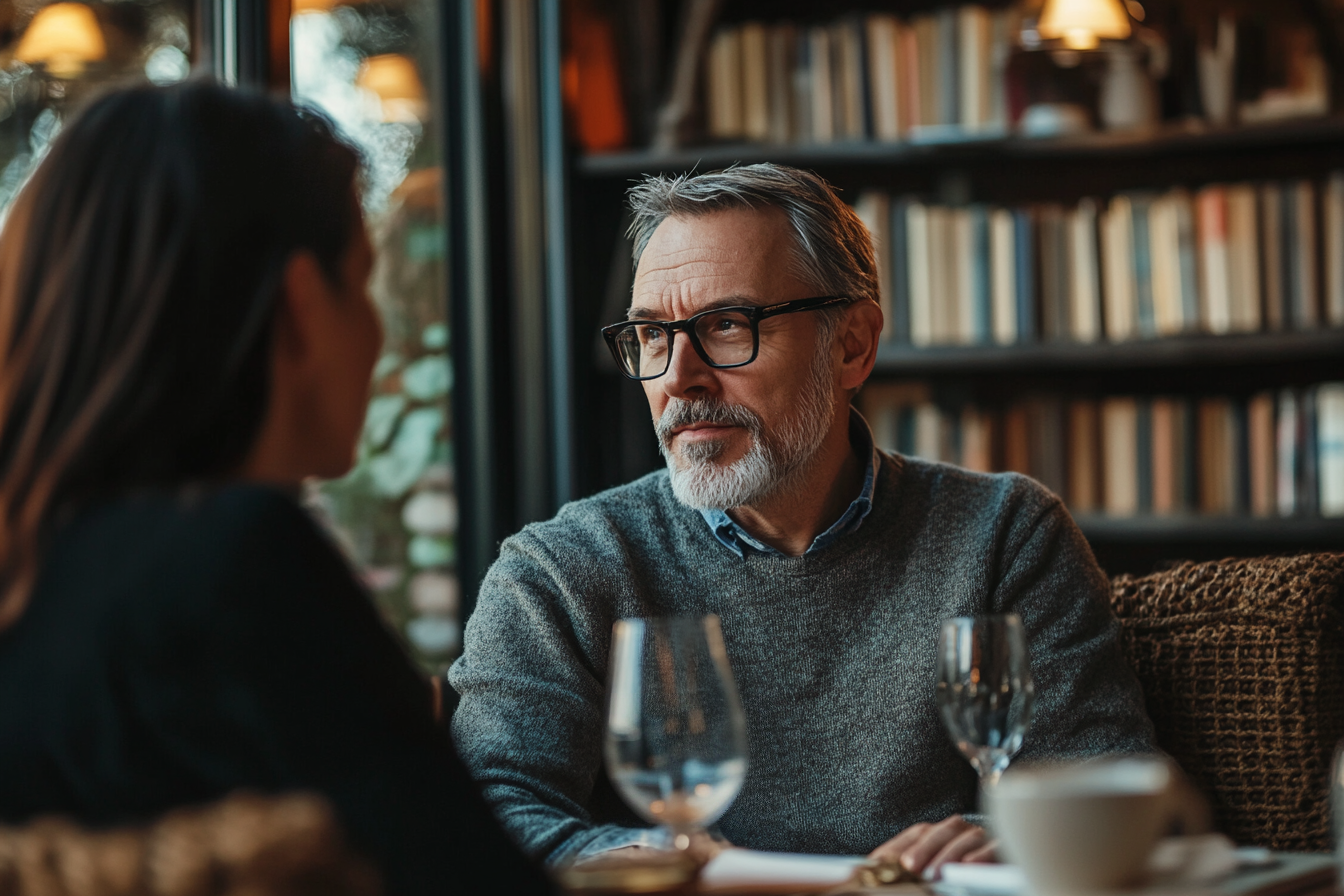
175	555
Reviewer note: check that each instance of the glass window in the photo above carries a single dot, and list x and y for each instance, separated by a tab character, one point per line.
368	67
52	55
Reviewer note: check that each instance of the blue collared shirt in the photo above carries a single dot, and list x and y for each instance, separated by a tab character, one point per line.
736	539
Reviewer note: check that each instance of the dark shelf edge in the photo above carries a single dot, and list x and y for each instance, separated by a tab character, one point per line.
1232	530
1175	141
1172	352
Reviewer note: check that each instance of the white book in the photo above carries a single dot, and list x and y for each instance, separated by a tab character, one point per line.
928	432
942	277
1330	447
1117	261
921	286
882	31
723	85
874	210
823	92
1003	276
1333	203
1084	286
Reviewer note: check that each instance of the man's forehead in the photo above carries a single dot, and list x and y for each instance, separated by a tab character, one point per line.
735	256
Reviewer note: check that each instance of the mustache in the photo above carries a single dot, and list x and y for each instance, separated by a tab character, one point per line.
680	412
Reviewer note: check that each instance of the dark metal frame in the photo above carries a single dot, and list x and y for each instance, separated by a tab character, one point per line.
753	313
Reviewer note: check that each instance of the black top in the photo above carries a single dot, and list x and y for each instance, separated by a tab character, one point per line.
177	648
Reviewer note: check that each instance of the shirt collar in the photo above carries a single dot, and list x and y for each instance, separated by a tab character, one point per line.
736	539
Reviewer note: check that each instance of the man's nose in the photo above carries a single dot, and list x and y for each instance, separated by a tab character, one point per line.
688	375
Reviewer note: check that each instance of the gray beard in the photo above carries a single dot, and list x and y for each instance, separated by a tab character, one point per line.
773	465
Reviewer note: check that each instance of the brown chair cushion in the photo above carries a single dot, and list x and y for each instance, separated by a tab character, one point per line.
1242	665
245	845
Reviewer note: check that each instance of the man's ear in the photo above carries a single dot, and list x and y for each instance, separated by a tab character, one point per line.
860	331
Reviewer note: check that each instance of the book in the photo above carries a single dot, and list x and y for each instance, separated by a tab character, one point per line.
781	59
1003	276
882	33
1165	461
1016	440
948	71
1120	461
1332	249
1300	253
1260	456
1308	488
1287	452
975	57
1243	250
1143	454
1273	294
920	273
1117	261
1211	237
821	92
1084	489
1214	446
1164	250
896	328
723	85
1139	206
1054	273
849	79
1187	259
925	32
908	80
977	447
981	302
1330	448
1084	274
874	210
960	265
755	76
1025	268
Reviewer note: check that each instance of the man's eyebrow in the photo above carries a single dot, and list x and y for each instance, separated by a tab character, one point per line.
637	313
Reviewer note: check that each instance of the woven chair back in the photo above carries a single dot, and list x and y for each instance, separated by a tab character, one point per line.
245	845
1242	666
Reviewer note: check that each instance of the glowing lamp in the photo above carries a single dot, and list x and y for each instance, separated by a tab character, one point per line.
63	38
1083	24
394	79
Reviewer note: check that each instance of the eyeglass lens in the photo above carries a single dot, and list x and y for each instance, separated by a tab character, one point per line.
726	336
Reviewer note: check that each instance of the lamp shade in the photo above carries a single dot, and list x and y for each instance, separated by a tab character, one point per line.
1082	24
64	38
394	79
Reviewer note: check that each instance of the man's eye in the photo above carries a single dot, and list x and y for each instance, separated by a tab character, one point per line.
725	325
650	335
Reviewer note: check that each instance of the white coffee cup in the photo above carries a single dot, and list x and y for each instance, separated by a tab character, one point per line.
1091	826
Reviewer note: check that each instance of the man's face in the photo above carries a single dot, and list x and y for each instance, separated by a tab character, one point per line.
763	421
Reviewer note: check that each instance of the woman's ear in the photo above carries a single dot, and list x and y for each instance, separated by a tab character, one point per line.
305	296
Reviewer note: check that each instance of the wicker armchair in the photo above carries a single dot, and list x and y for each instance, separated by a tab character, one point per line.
245	845
1242	665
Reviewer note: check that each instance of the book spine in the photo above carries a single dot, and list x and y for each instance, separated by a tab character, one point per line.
981	329
1143	267
898	329
1330	448
1003	275
1024	244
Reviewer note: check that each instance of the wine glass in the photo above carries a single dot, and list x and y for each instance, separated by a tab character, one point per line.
676	744
984	690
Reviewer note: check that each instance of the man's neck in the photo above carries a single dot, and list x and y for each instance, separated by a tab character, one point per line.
789	522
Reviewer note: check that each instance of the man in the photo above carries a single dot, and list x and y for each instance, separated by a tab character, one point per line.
831	564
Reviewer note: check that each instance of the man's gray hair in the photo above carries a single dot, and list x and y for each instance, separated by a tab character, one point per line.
833	251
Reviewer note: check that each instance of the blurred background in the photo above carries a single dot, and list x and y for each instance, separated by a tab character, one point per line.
1110	232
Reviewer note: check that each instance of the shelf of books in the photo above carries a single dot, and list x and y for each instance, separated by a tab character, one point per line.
1149	320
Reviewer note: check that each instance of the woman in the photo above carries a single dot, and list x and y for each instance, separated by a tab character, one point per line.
186	335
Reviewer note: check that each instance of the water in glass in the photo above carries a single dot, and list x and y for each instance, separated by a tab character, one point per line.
984	689
676	736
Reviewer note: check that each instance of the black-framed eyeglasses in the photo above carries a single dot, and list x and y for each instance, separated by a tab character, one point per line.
722	337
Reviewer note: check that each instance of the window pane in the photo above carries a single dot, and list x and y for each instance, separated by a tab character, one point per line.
57	54
367	66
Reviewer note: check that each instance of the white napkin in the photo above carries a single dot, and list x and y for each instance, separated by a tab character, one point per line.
747	869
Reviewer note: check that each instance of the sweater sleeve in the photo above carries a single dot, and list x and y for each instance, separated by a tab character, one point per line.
530	721
297	683
1088	701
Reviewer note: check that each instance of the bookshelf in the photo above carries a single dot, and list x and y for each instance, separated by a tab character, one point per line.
616	443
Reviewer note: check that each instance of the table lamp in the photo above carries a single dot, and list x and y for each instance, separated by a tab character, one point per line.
1127	99
63	38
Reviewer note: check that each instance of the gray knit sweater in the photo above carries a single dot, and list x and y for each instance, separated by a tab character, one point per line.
833	653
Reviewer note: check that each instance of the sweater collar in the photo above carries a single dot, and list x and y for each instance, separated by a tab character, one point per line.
736	539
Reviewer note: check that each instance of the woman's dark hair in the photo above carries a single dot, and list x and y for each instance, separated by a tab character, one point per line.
139	270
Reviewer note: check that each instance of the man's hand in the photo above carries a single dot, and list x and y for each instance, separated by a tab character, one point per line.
924	848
